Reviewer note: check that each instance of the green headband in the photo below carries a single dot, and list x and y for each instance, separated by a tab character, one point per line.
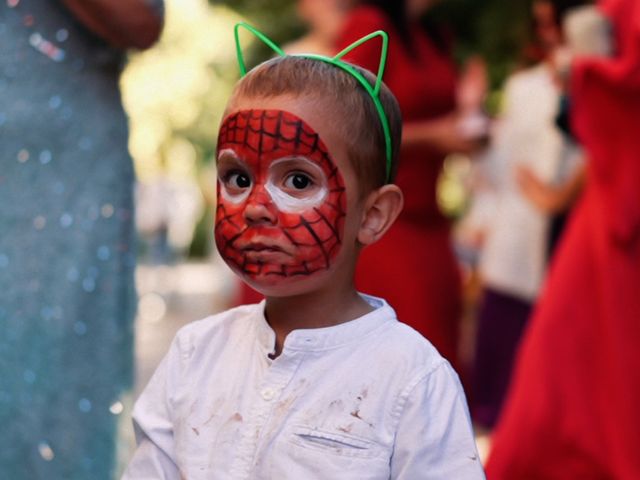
374	92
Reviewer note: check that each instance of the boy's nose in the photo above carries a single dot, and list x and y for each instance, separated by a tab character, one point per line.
260	208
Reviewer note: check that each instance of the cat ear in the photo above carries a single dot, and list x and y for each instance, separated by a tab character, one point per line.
383	54
261	36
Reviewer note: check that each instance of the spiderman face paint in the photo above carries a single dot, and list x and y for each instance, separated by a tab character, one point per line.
281	198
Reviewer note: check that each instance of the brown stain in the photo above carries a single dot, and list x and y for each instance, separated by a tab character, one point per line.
217	404
356	414
356	411
346	428
311	416
283	406
225	427
336	406
363	394
195	430
211	417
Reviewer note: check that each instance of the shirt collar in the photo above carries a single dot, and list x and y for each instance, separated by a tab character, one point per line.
313	339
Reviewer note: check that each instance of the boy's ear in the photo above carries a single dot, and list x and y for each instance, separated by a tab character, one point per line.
381	209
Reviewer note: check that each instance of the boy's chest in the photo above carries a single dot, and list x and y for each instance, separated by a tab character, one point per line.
290	419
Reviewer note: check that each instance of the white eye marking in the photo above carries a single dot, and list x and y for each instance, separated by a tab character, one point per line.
290	204
233	198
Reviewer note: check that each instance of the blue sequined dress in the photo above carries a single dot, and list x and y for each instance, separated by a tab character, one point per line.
66	246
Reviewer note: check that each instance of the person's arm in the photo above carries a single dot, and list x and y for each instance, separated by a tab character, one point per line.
151	463
434	439
154	457
122	23
550	198
442	134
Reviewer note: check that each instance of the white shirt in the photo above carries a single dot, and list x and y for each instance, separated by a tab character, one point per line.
366	399
514	256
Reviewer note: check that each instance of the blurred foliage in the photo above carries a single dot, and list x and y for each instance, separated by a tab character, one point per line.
175	94
276	18
495	29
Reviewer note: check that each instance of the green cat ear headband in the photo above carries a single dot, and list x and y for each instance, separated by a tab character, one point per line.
373	91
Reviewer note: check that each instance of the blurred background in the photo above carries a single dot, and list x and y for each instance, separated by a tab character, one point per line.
509	100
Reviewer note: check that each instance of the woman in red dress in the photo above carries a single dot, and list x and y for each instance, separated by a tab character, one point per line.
573	407
413	267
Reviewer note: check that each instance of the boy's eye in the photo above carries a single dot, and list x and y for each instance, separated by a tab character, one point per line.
298	181
238	180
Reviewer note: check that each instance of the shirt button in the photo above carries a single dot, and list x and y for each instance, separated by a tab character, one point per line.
268	393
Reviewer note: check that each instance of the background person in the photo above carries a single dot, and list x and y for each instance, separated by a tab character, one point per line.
324	21
526	148
573	401
422	284
66	233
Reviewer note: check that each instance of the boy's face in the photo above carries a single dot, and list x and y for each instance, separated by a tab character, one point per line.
282	199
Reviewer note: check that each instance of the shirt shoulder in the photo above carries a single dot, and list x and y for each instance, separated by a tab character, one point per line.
211	330
408	352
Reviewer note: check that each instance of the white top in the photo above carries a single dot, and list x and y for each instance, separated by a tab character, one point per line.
514	256
367	399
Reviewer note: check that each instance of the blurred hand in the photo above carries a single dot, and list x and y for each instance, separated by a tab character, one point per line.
121	23
473	85
545	198
450	137
444	134
477	238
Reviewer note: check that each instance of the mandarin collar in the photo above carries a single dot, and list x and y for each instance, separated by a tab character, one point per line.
314	339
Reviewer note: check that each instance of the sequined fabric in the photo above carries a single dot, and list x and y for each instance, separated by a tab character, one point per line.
66	249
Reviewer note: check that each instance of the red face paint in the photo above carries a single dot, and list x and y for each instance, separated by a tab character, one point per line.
281	198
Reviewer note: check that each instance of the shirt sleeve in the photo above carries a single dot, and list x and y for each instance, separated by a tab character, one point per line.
155	456
434	438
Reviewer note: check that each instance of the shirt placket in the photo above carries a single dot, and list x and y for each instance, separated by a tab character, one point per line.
266	396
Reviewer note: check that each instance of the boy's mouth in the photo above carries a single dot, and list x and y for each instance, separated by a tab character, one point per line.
261	247
266	253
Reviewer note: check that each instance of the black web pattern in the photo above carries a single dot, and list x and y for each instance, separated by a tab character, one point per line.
264	132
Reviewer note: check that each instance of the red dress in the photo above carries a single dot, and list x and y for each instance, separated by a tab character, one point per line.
413	266
573	408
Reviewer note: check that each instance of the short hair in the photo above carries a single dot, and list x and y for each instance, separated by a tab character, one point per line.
363	132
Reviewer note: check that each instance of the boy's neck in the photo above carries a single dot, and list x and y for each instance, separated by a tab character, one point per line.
318	309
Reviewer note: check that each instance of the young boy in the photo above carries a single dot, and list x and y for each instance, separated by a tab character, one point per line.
317	381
